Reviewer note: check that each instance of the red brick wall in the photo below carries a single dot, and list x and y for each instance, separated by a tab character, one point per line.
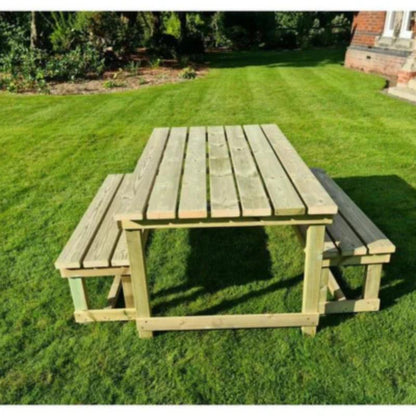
375	62
366	26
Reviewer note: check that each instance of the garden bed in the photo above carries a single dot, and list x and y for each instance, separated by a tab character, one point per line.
123	80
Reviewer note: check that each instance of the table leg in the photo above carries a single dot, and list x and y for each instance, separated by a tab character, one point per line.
313	272
135	246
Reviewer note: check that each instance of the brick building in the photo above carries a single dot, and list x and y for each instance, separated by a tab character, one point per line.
385	43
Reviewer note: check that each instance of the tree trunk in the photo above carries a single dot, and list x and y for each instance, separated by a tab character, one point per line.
157	24
33	31
182	20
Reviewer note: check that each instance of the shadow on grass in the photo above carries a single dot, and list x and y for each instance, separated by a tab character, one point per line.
238	256
273	59
221	258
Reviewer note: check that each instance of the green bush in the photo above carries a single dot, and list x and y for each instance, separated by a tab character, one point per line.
192	44
188	73
78	63
164	46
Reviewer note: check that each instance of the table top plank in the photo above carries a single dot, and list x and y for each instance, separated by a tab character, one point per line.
253	197
76	247
193	198
311	191
283	195
223	194
144	175
164	196
104	242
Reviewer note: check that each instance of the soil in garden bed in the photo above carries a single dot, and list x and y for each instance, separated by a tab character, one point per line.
122	79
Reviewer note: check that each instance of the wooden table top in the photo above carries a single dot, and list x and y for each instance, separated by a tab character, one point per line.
222	172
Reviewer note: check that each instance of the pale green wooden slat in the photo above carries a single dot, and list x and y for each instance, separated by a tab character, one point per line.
253	197
223	194
193	197
164	195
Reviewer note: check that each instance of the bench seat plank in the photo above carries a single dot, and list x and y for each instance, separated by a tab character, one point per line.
77	246
222	191
253	197
375	240
284	198
121	255
311	191
105	240
345	238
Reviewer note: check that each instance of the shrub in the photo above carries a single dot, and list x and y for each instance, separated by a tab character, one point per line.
188	73
164	46
192	45
78	63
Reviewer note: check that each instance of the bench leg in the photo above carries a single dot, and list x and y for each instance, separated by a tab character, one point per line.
135	246
78	293
323	294
127	291
313	271
372	281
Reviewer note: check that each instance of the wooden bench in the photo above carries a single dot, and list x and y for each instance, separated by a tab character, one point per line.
351	240
97	247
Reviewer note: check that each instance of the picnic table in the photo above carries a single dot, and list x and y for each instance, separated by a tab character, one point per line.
217	176
228	176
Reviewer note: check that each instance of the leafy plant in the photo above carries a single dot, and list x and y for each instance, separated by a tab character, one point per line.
155	62
111	83
188	73
133	67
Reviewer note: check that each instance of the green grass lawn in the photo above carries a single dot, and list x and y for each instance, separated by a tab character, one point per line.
56	151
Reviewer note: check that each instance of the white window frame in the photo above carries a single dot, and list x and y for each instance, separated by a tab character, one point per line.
387	23
405	33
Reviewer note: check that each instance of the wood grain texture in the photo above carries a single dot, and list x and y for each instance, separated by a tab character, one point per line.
310	190
103	245
79	242
283	195
79	293
334	288
315	235
253	197
374	239
350	306
105	315
114	292
164	195
182	323
138	277
120	256
372	281
223	194
345	238
330	249
144	175
193	197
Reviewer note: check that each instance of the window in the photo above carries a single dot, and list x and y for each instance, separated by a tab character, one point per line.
389	24
405	29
